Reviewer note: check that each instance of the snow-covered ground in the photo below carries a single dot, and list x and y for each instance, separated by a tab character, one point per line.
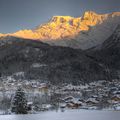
67	115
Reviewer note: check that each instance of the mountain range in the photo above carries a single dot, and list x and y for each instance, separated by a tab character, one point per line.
66	49
83	32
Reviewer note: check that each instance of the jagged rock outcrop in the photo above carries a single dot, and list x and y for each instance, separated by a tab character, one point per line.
83	32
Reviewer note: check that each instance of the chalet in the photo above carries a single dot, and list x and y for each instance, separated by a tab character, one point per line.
68	99
43	89
91	101
30	105
116	98
73	105
116	92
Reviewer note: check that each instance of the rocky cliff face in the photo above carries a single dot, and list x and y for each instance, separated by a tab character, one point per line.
94	29
83	32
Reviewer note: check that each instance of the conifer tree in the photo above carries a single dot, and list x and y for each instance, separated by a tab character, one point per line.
19	103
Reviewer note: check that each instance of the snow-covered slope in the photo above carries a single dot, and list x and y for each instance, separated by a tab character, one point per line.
97	29
113	40
83	32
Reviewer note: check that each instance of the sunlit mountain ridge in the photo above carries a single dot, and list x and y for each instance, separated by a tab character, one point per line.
83	32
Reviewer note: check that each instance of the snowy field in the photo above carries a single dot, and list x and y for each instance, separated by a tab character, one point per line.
67	115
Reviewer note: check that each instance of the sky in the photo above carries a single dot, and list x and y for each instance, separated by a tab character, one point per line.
27	14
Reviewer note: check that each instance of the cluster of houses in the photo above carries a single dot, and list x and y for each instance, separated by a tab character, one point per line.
11	84
96	95
101	94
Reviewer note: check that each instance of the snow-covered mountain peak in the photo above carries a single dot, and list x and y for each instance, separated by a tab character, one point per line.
61	19
113	14
89	14
82	32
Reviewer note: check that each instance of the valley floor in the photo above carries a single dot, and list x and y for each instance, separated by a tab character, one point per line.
67	115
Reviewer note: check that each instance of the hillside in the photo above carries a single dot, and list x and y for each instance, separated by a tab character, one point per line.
108	53
48	63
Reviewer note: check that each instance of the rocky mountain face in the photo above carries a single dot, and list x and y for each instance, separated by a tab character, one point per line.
114	40
108	53
83	32
94	29
111	49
